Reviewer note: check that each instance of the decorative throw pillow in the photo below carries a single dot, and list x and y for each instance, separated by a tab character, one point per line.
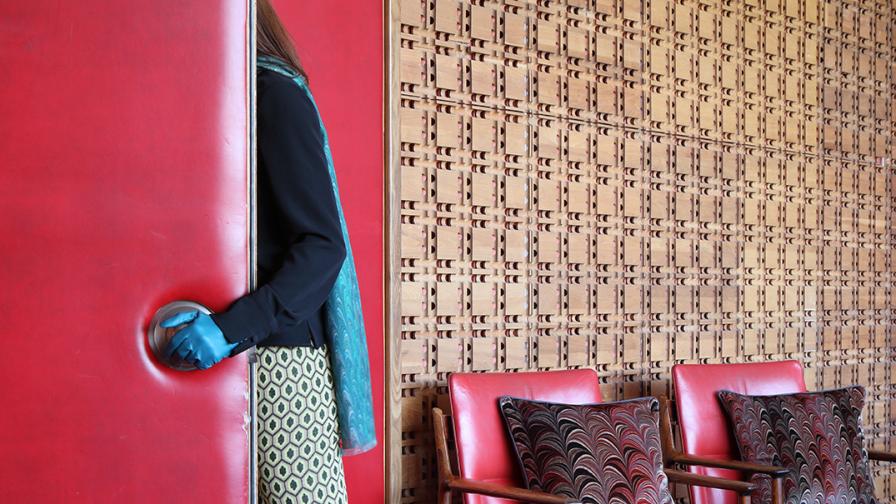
817	435
606	453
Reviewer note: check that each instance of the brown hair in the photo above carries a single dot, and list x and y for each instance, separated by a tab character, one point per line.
272	39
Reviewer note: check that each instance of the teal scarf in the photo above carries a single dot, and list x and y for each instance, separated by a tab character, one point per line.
344	328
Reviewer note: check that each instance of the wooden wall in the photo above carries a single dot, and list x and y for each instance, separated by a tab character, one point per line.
627	184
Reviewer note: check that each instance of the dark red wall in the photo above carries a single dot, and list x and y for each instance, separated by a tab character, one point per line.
341	47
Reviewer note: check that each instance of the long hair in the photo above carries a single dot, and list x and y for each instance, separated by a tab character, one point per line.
272	39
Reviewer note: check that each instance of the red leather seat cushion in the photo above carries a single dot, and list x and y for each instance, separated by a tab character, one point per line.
483	450
705	430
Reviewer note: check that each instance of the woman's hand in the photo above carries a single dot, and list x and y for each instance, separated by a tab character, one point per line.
200	343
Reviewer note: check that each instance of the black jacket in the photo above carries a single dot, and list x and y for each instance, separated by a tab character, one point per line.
300	244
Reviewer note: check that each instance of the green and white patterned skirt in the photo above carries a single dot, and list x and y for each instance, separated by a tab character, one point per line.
298	439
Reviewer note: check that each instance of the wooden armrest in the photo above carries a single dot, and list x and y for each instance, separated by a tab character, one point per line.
739	465
882	456
507	492
741	487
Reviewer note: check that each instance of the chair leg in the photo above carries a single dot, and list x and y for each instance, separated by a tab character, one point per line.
744	499
444	494
442	461
778	490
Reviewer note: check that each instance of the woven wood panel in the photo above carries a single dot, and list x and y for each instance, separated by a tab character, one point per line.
625	185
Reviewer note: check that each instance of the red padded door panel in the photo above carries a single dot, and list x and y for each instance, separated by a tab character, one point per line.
123	186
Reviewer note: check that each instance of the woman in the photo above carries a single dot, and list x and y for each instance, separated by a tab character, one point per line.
300	252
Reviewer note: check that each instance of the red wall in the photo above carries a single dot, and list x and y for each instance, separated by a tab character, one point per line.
341	47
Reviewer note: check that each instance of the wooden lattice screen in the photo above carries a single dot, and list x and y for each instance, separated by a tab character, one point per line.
627	184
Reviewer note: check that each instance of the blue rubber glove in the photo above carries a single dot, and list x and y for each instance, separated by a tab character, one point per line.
201	343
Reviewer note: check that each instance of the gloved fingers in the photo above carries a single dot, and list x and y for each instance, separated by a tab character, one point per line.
186	351
201	363
199	357
180	318
176	341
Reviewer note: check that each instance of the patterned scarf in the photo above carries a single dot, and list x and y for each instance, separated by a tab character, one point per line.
344	328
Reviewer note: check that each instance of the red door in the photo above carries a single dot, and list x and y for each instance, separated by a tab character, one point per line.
123	144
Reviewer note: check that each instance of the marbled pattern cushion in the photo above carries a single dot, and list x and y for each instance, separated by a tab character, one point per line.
598	453
817	435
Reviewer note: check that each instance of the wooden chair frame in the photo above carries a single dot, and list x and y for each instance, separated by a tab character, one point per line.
449	482
673	456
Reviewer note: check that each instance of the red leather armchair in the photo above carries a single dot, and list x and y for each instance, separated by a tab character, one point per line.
484	453
485	457
707	444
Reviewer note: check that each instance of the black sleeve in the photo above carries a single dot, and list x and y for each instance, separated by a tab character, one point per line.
291	145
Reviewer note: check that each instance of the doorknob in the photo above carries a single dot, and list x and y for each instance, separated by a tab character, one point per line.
160	336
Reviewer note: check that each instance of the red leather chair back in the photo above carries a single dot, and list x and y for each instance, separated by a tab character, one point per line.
483	448
704	427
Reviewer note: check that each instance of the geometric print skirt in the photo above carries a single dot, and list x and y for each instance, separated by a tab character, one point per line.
298	438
